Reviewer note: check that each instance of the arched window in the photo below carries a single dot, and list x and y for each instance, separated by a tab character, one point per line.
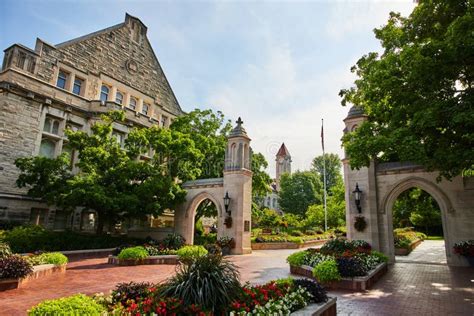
47	148
104	93
133	103
145	108
119	98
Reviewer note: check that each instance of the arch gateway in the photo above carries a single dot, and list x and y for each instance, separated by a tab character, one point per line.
237	183
382	183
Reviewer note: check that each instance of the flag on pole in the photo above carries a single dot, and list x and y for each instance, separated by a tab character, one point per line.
322	134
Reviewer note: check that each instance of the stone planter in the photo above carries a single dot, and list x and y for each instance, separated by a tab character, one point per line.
162	259
352	284
406	251
324	309
285	245
38	272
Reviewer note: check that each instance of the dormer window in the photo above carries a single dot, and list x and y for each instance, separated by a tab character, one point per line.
77	87
104	93
62	79
119	97
145	109
133	103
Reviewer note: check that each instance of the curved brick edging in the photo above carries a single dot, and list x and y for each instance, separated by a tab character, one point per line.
39	271
325	309
285	245
353	284
163	259
406	251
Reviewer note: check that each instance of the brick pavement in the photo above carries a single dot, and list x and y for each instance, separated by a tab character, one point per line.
407	289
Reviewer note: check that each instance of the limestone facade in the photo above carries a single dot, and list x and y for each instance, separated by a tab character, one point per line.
50	88
382	183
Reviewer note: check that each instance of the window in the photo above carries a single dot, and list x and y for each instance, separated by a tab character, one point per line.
133	103
51	126
77	88
62	78
47	148
164	120
60	220
31	65
104	93
20	63
119	98
119	137
145	108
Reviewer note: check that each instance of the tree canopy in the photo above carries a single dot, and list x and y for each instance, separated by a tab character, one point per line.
260	179
418	93
333	169
298	191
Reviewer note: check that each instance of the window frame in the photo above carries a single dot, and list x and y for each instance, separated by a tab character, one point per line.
102	92
81	86
116	97
66	77
147	106
134	103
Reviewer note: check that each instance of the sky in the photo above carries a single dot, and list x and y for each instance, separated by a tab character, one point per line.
278	64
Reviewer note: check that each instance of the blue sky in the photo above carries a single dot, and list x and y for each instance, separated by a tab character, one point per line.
278	64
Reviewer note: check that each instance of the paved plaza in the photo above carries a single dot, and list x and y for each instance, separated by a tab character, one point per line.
409	288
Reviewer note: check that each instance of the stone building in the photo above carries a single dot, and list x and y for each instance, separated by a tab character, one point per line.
50	88
283	165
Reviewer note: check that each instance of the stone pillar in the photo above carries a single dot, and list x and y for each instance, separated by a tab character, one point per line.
366	180
238	184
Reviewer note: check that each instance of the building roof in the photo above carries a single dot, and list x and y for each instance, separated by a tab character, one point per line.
283	151
355	111
239	130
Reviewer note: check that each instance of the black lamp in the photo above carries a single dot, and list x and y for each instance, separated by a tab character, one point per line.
357	194
227	202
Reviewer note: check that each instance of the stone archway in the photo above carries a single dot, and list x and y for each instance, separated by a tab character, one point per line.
382	183
388	201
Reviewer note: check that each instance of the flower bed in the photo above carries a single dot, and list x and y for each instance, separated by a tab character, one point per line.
39	271
162	259
406	239
340	263
286	245
204	285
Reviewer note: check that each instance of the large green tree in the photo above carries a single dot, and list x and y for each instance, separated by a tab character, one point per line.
260	179
333	169
418	94
298	191
112	180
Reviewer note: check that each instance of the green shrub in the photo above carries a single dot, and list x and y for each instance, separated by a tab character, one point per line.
173	241
56	258
34	238
15	266
326	271
205	239
297	258
208	281
5	250
189	253
381	257
297	233
78	304
136	253
337	246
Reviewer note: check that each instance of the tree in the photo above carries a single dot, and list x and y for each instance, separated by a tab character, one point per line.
260	179
418	93
333	169
298	191
416	207
336	209
112	180
209	132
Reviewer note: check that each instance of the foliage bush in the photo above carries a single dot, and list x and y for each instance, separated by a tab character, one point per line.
158	250
78	304
189	253
208	281
297	258
55	258
381	257
213	249
351	267
5	250
226	242
205	239
296	233
136	253
361	246
403	237
337	246
15	266
173	241
327	271
318	293
130	291
24	239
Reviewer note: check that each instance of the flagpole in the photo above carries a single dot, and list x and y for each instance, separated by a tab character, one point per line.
324	178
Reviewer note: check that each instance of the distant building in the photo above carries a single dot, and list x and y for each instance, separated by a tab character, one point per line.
283	165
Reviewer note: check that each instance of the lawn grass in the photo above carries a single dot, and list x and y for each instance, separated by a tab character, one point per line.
434	238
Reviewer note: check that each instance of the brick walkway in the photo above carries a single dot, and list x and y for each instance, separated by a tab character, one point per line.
407	289
429	251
